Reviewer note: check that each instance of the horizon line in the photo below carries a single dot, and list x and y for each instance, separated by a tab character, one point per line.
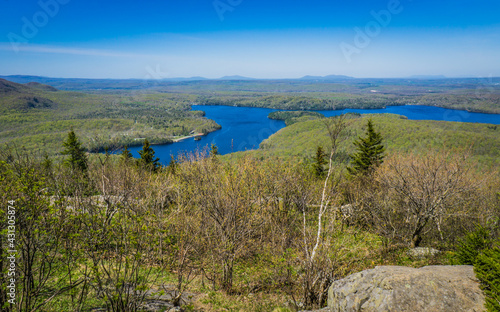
239	77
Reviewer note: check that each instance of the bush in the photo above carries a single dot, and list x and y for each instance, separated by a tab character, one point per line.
471	246
487	269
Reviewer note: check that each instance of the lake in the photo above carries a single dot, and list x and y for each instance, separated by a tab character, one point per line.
244	128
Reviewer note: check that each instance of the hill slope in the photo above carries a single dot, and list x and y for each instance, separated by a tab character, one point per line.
301	139
38	116
15	96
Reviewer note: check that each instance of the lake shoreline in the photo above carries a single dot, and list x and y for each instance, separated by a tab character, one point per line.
188	137
245	127
368	108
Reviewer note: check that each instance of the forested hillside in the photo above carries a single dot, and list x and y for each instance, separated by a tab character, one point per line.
301	139
472	94
38	117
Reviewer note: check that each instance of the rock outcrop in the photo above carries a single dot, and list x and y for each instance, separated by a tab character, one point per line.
395	288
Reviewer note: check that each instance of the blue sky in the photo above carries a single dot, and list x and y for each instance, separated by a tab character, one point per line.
256	38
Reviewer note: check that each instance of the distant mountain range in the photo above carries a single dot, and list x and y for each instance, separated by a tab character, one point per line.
235	77
329	77
135	83
428	77
236	82
41	79
241	78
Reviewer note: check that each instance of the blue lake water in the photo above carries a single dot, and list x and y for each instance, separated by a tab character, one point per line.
244	128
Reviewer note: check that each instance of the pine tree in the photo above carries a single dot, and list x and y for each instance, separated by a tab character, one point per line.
487	269
148	159
472	245
214	151
125	154
77	157
46	162
319	162
370	152
172	166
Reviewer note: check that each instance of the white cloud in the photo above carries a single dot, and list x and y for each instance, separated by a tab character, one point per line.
65	50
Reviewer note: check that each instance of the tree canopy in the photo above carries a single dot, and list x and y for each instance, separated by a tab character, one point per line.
126	154
148	158
370	152
73	147
319	162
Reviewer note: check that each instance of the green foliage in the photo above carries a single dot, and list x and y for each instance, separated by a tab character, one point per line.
47	162
214	151
369	153
300	140
477	249
319	162
148	159
313	101
40	229
291	117
39	118
136	225
172	165
487	269
472	245
126	154
284	115
77	157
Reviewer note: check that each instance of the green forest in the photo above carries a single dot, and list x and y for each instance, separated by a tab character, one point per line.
300	140
39	120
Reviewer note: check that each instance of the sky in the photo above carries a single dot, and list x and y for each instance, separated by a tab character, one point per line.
152	39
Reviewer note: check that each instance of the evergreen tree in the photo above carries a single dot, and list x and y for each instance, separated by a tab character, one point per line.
46	162
125	154
77	157
472	245
172	166
319	162
148	159
370	152
487	269
214	151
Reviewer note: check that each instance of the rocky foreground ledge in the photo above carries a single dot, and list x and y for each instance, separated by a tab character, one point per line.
403	289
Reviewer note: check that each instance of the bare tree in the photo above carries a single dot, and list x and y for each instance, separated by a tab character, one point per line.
123	233
41	228
424	190
225	198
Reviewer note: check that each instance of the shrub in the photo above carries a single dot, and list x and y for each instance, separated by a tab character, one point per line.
487	269
471	246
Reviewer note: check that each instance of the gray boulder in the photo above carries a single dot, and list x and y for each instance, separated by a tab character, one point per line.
395	288
422	252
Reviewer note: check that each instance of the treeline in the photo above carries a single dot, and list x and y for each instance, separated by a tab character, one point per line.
291	117
481	100
108	233
400	136
293	102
